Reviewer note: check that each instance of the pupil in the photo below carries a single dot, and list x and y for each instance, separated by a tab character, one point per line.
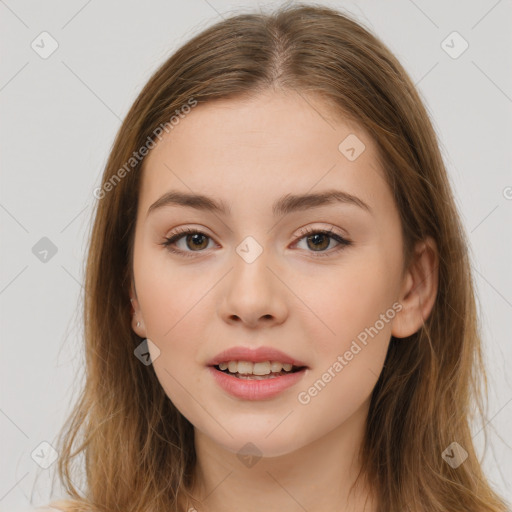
195	239
315	237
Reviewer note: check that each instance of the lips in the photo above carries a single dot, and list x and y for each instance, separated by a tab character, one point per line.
266	389
254	355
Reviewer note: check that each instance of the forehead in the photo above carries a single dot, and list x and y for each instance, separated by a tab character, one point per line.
282	141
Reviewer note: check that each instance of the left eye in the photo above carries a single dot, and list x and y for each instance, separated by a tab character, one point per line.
314	238
319	238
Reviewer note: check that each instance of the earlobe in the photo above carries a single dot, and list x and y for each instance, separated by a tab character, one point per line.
419	290
136	314
138	327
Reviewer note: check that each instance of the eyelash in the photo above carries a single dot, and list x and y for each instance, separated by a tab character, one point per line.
305	232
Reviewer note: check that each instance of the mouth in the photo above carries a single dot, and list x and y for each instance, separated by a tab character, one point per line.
259	371
260	380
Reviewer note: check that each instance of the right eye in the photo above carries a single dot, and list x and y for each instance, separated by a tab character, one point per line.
195	237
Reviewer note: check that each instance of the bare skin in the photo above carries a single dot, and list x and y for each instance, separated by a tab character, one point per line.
307	297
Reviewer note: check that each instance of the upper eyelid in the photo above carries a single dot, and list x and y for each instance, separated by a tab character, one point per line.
303	233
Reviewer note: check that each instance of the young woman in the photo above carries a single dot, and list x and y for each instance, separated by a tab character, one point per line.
279	309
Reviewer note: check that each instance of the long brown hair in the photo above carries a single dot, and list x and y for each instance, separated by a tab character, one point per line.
138	449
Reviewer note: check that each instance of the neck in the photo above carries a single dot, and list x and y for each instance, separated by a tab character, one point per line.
320	476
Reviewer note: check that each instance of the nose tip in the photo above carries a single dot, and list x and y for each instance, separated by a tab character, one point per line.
253	295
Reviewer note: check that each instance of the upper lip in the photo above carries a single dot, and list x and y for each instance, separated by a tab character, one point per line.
255	355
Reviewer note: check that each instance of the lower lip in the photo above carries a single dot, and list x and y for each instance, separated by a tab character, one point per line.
255	389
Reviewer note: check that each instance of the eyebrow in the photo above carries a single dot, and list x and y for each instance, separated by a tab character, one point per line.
283	206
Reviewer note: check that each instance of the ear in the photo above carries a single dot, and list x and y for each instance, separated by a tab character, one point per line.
419	290
137	321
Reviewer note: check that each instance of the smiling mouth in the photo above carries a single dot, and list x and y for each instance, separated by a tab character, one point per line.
251	376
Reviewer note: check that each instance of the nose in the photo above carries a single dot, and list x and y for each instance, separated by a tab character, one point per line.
253	295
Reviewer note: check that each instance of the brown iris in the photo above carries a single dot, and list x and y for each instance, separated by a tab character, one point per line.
196	241
315	237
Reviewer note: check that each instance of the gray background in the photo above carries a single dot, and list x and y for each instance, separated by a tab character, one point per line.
59	118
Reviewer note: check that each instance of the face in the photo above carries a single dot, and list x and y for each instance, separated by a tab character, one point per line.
317	279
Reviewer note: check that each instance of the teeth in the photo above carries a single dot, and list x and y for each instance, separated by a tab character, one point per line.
262	368
244	367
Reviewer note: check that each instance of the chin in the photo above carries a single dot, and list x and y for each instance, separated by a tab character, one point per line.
260	444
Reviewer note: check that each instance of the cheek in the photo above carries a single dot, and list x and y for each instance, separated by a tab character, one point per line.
349	303
356	306
169	296
175	307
